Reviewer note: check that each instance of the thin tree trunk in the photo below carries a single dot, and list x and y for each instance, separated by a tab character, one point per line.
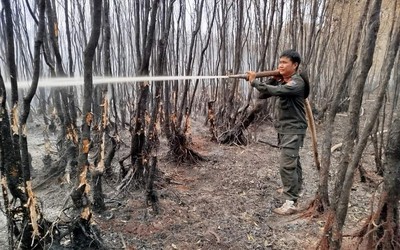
12	156
203	51
6	158
388	218
189	63
83	232
33	214
345	174
138	133
322	193
68	34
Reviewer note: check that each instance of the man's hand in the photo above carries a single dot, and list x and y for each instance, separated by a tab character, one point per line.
251	75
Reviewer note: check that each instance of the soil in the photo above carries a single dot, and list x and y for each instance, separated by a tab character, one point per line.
223	203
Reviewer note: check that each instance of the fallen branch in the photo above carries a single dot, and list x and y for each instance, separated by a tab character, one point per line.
268	143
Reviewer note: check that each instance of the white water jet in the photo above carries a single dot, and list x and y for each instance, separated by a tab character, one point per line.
77	81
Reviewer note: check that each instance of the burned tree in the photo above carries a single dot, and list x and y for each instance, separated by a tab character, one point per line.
333	229
25	222
321	202
236	117
139	131
382	228
85	232
64	102
7	158
179	123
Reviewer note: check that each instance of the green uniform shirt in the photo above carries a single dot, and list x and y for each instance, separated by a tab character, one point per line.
292	116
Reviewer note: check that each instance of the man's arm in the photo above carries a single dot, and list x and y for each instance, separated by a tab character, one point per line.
292	88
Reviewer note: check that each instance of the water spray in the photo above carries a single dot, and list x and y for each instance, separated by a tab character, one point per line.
78	81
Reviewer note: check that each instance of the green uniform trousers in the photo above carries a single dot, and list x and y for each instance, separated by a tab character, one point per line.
290	167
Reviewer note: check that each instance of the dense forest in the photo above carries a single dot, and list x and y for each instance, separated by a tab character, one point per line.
109	134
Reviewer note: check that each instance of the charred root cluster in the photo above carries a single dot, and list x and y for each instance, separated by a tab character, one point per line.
181	151
235	136
20	227
85	233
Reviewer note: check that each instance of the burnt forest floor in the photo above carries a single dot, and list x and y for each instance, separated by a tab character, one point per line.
223	203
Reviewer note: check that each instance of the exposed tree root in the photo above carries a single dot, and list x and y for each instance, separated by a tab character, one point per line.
367	177
315	209
181	151
234	136
151	194
380	230
23	231
86	235
323	244
211	119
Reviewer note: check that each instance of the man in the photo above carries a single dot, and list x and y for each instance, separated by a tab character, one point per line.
291	124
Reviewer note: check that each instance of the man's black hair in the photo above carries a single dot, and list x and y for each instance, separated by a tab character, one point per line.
293	55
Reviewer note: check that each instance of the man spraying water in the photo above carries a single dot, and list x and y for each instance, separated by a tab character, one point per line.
291	124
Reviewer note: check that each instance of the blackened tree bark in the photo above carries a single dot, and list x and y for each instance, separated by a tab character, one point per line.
85	234
33	213
12	157
6	159
69	43
138	132
102	131
68	134
240	118
179	140
231	107
171	107
152	142
97	172
71	89
15	169
108	72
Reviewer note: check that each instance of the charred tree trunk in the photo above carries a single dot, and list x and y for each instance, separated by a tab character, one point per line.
179	141
68	137
211	120
203	51
69	43
12	158
231	105
6	160
108	72
322	203
381	230
139	130
345	174
15	157
387	218
236	135
85	233
98	171
31	234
